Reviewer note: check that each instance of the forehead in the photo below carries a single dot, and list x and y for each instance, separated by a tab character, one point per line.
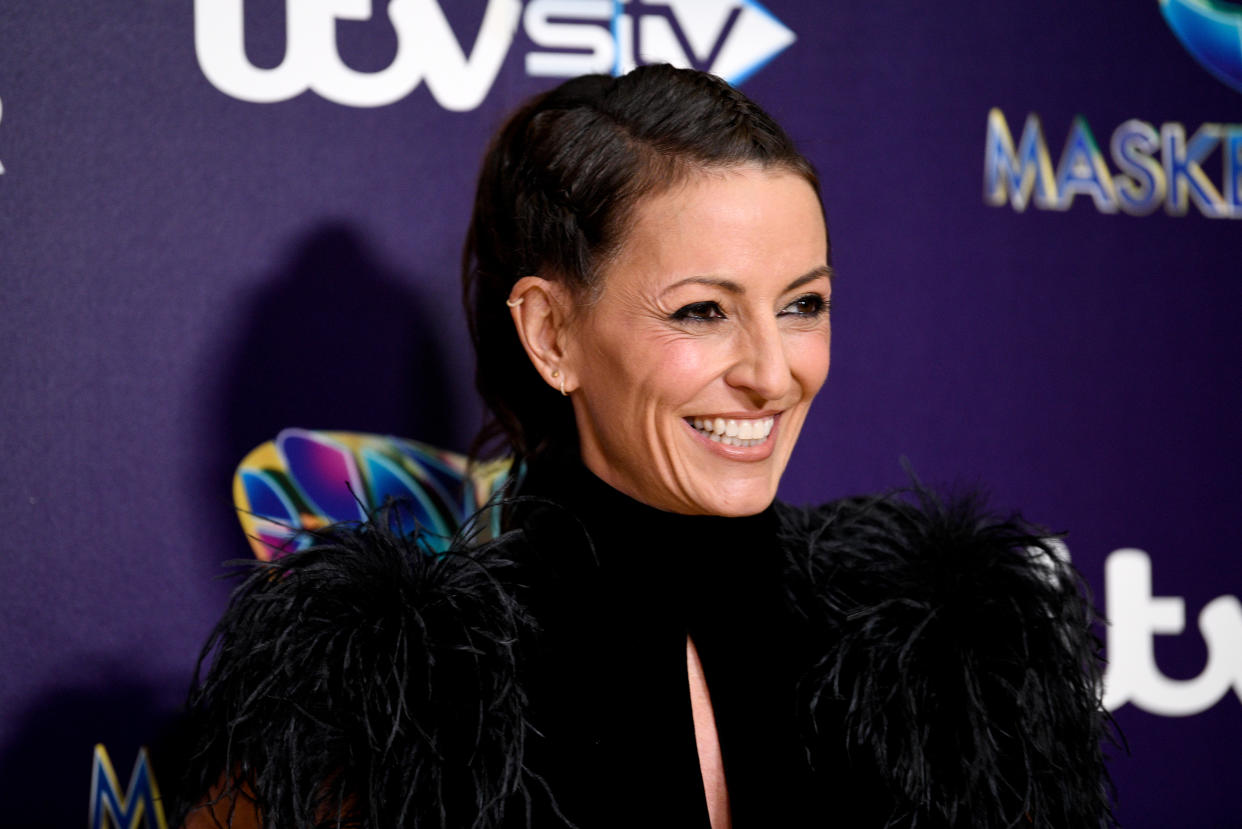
749	224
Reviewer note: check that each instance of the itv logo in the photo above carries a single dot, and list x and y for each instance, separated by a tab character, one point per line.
731	38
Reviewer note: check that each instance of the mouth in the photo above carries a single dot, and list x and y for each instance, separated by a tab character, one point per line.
739	432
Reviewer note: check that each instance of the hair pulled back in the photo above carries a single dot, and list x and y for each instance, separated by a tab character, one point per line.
556	196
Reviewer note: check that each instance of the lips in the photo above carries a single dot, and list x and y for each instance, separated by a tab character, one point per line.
734	431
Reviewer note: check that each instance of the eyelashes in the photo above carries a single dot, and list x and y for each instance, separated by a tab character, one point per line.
698	312
808	307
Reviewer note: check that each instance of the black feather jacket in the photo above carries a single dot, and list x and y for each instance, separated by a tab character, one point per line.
899	661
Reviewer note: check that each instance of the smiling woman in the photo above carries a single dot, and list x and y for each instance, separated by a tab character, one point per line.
654	639
715	310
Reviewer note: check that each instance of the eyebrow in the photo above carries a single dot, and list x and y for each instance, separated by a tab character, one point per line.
736	288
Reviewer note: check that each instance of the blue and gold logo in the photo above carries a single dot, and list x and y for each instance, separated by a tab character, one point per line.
1155	166
137	807
1211	31
1167	165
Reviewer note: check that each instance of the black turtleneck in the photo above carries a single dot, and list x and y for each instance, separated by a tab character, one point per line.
616	587
940	657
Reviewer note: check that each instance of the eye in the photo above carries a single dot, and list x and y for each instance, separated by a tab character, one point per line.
698	312
808	305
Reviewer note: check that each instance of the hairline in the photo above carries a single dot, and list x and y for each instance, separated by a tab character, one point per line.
683	171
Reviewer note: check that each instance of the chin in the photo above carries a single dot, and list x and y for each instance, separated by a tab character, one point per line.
747	499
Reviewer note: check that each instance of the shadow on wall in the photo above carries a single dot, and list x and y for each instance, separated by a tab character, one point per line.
333	339
46	767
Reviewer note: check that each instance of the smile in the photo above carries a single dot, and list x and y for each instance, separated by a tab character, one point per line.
734	432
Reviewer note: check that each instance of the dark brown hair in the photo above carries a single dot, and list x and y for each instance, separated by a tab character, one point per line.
555	198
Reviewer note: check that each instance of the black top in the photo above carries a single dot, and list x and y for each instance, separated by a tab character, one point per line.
617	587
909	662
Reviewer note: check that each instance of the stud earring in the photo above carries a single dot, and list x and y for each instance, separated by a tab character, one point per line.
556	372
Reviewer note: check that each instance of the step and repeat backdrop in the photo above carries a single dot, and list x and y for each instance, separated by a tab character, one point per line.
222	218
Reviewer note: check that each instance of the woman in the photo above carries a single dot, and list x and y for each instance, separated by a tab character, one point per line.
655	641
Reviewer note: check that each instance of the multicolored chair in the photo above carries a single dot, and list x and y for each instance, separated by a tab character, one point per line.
305	479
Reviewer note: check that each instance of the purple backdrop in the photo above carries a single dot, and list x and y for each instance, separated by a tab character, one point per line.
195	252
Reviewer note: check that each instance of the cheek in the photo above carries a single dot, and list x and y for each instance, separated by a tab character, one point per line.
810	361
672	373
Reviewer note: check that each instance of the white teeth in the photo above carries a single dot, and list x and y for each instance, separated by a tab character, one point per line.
735	432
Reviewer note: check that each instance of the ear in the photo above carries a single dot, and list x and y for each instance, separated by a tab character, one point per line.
540	309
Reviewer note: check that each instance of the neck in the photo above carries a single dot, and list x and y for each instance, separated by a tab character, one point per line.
563	492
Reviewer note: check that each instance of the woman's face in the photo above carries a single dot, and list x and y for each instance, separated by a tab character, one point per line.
694	369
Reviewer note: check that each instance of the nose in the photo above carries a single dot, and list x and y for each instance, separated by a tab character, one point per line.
760	364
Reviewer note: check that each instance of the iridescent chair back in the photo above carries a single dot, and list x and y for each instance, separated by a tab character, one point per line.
304	480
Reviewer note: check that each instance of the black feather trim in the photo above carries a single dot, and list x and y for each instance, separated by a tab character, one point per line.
366	682
958	648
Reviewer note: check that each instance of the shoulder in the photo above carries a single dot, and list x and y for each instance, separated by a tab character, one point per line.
956	644
949	554
367	677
